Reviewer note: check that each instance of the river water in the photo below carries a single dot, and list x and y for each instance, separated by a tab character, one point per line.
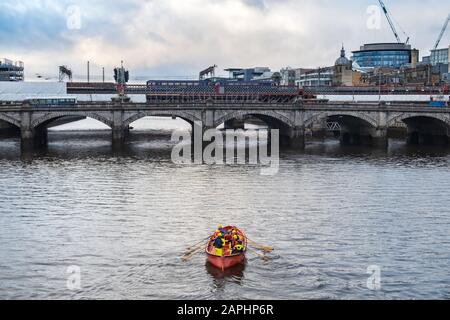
124	219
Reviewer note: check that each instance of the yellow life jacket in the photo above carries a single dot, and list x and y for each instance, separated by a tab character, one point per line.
218	252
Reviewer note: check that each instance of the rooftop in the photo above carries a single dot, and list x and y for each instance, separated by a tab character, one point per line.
342	60
384	46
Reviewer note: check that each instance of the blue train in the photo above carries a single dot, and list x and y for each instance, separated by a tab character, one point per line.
51	102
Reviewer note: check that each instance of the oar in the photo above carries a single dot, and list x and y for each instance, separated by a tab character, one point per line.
189	255
192	250
259	246
198	243
262	256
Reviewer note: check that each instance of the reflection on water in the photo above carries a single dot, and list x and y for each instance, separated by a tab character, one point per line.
126	217
221	278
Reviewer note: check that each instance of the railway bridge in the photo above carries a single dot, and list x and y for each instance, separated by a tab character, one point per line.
360	123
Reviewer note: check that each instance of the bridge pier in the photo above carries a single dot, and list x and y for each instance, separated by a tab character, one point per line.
293	138
31	139
380	138
119	134
27	139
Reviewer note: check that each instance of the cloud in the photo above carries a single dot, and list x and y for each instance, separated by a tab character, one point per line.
256	3
30	24
180	37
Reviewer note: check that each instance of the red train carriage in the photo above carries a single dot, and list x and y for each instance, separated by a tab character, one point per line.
220	91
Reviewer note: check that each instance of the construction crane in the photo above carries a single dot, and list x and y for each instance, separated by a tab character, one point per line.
64	71
391	23
210	71
442	33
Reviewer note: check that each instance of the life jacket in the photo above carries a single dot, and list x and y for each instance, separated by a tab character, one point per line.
219	243
234	239
218	252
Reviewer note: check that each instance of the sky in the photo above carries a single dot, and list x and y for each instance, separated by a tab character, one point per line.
178	38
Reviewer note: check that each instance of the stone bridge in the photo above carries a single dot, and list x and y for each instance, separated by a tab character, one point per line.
360	123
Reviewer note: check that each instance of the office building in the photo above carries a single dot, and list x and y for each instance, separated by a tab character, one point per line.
385	55
258	73
11	71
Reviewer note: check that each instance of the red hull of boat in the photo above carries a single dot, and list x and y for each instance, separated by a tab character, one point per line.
226	261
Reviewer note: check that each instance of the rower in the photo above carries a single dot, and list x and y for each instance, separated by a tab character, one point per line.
221	229
218	245
234	238
238	247
227	237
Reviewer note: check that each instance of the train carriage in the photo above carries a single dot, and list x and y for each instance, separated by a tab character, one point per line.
221	90
51	101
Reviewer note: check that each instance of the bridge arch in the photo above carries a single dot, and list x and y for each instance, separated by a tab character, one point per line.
270	117
425	128
404	117
179	114
10	120
57	115
355	115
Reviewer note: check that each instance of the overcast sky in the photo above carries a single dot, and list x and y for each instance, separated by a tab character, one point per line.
181	37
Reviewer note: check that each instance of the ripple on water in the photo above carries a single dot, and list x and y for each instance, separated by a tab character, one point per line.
125	218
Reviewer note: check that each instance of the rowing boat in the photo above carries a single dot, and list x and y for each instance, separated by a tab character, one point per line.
228	259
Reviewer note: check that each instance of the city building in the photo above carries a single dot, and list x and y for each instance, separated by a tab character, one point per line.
426	75
421	75
440	58
288	76
320	77
258	73
11	71
383	76
343	74
300	71
389	55
425	60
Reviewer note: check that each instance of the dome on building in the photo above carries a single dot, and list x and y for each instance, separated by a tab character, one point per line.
342	60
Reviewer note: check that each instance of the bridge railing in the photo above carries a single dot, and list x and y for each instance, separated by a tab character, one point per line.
376	90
